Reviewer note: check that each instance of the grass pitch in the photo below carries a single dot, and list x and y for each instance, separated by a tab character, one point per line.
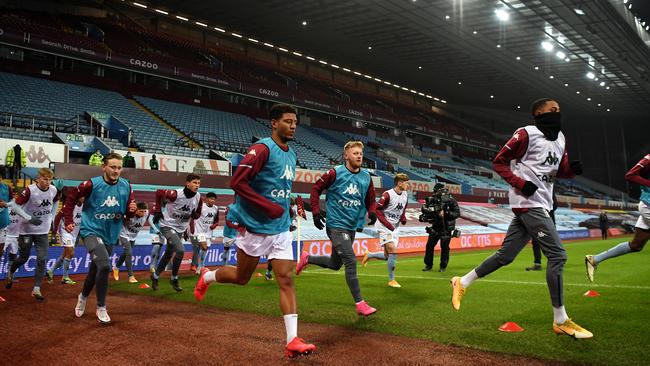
618	318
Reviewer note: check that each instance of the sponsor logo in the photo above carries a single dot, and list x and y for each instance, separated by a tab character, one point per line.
288	173
45	203
349	203
252	152
551	159
399	206
281	193
185	208
109	216
110	201
541	234
144	64
268	92
352	189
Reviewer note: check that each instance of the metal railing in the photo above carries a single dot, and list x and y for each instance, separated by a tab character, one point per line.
33	122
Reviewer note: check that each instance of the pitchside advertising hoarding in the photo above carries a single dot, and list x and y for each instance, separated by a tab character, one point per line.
181	164
38	154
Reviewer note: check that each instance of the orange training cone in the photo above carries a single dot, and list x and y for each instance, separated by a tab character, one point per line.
591	293
511	327
144	285
258	274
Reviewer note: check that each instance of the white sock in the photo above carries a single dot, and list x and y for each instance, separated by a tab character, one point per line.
469	278
291	326
210	276
559	315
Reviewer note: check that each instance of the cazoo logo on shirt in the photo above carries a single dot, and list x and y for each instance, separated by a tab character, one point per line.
110	201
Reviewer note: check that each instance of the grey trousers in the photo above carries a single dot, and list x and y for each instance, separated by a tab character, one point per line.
41	244
174	246
537	223
342	254
126	256
99	268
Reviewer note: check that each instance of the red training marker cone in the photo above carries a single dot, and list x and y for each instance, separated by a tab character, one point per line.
591	293
258	274
144	285
511	327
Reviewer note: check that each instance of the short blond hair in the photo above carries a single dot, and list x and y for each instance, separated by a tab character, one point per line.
400	177
45	173
351	144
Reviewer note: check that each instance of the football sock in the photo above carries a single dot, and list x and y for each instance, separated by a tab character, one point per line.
559	315
622	248
291	326
392	261
469	278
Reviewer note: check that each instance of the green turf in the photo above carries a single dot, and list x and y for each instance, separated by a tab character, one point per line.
422	309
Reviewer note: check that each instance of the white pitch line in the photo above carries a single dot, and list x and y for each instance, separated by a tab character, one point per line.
330	272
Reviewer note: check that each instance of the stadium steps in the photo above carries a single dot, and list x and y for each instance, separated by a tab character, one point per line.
193	144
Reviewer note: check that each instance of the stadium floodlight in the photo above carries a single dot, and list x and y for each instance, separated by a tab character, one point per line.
268	45
182	18
334	66
253	40
607	87
356	73
579	11
367	76
283	49
460	83
447	17
560	55
588	99
498	46
577	91
443	101
502	15
608	109
491	96
536	67
599	104
567	59
624	1
297	53
547	46
428	96
236	35
220	29
346	69
647	27
421	94
518	107
517	58
629	6
369	47
310	58
419	67
403	88
387	83
161	12
565	84
551	77
591	75
304	23
140	5
322	62
201	24
475	32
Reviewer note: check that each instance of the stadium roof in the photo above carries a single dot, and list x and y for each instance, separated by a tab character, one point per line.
591	55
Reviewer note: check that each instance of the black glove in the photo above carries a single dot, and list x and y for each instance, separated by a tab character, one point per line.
373	218
359	229
35	221
529	188
319	221
576	167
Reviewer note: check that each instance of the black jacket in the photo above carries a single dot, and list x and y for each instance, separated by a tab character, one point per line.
452	212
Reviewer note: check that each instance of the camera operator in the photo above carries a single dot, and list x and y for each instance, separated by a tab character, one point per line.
441	211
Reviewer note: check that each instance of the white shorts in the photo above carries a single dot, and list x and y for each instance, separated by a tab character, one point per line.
276	246
644	219
228	242
11	244
67	240
3	235
386	236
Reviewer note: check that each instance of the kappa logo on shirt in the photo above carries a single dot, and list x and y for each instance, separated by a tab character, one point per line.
541	234
352	189
111	201
551	159
288	173
399	206
252	152
45	203
185	208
